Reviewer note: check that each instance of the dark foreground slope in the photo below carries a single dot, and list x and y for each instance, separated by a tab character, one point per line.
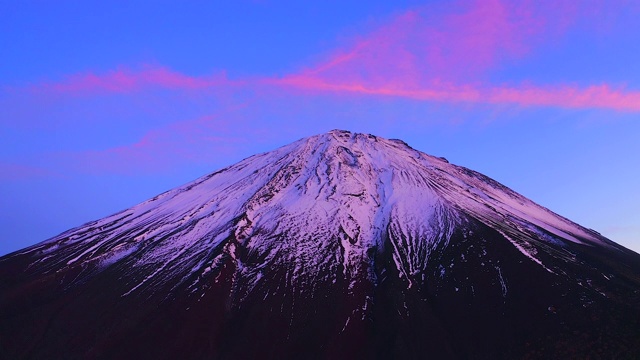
337	246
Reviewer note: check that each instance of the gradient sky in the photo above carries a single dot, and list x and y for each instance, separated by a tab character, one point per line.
106	104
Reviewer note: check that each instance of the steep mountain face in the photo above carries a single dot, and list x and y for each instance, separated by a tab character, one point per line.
340	245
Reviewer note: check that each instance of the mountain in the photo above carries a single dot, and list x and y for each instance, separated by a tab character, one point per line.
337	246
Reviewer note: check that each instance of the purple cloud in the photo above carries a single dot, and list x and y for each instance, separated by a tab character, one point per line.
17	172
126	80
444	57
161	148
442	53
447	59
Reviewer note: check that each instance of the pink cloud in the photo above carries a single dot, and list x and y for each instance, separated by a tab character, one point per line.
440	53
461	42
162	148
450	57
19	172
601	96
126	80
210	140
596	96
437	53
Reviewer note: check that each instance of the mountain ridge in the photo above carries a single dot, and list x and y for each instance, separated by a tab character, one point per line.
369	234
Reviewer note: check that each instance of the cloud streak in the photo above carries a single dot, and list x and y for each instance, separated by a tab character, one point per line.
461	43
441	56
564	96
20	172
450	59
127	81
189	141
446	53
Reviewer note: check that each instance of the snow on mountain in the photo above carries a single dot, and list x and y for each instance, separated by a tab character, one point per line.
353	186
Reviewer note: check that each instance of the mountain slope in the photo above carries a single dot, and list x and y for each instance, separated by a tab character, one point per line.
336	245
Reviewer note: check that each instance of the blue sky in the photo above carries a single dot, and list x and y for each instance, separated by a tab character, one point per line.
106	104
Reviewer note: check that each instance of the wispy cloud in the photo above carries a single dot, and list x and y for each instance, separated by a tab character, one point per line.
445	53
18	172
428	54
458	43
125	80
564	96
450	59
192	141
596	96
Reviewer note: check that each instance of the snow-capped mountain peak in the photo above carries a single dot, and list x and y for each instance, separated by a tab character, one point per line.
370	223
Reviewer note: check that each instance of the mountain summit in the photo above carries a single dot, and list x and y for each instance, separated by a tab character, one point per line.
340	245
